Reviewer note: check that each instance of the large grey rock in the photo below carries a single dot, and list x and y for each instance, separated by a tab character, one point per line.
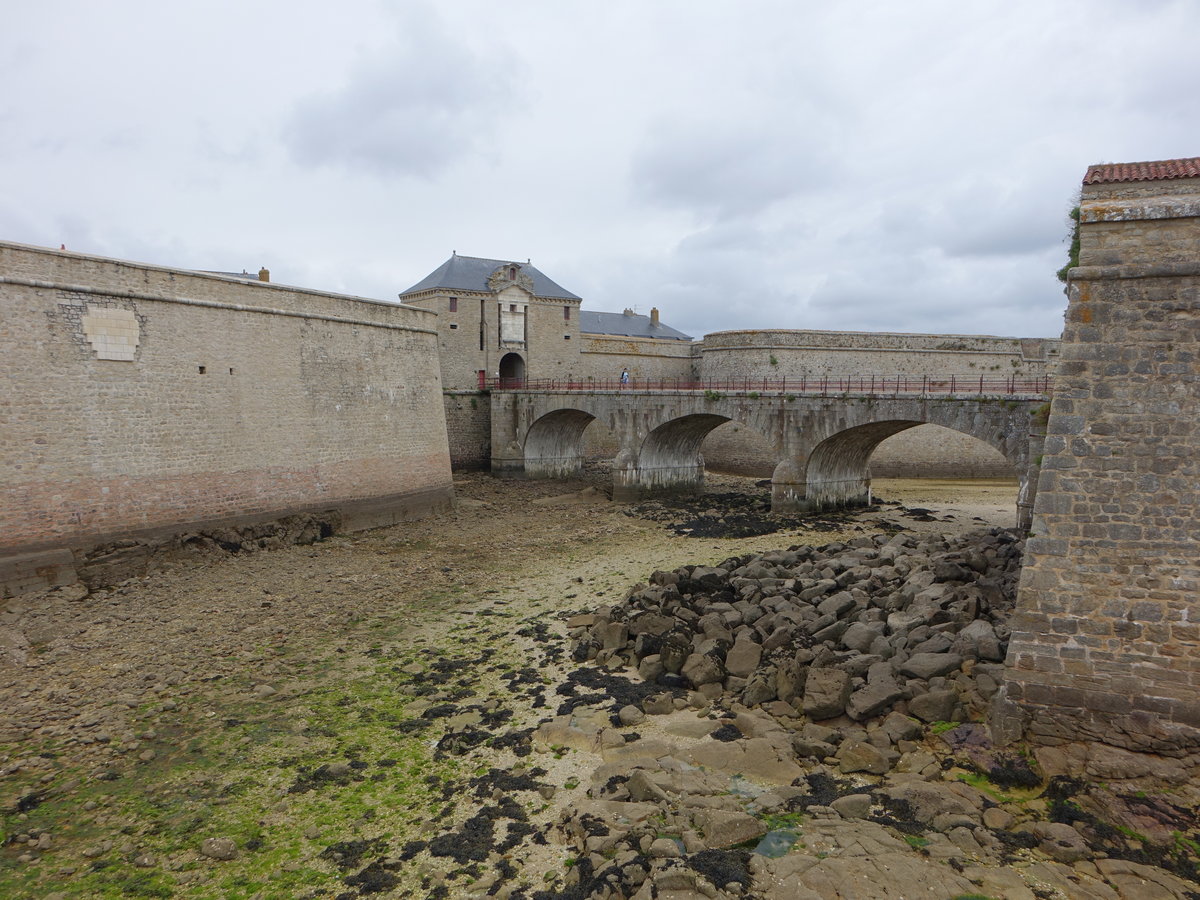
760	688
930	665
860	636
826	692
219	848
743	658
853	806
934	706
928	800
899	727
874	698
676	648
725	828
860	756
836	605
703	668
1061	842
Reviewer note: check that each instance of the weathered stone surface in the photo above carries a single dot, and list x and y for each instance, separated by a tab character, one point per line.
874	698
859	756
934	706
219	848
826	692
703	668
722	828
929	665
743	658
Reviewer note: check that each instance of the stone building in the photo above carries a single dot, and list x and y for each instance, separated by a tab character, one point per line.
505	319
1106	639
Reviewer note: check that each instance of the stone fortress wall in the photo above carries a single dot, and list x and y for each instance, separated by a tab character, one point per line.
1106	640
141	401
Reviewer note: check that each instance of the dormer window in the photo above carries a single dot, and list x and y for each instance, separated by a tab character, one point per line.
512	273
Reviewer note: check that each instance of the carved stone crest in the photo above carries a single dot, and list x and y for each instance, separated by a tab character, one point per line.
508	275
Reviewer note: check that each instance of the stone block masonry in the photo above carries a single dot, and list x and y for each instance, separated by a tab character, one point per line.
1106	640
141	401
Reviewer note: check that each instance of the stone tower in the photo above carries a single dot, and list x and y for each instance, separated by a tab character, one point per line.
1106	640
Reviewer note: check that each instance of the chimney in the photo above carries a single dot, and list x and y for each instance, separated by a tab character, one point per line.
264	274
627	312
654	316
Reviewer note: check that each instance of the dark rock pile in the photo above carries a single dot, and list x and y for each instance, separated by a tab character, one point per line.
908	623
809	728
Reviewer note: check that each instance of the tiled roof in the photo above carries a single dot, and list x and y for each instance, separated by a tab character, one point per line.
470	273
622	325
1161	170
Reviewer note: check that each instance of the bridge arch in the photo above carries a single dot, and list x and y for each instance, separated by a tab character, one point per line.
554	444
667	460
835	471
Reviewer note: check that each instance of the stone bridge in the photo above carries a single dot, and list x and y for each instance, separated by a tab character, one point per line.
822	444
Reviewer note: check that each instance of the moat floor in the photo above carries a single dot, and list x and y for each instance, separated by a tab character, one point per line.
349	718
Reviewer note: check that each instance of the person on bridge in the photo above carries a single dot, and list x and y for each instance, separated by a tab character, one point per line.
624	376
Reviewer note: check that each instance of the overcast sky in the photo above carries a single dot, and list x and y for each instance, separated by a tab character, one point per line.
878	166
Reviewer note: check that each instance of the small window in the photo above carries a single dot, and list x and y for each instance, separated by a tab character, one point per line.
453	304
512	307
202	369
567	313
566	337
512	273
453	326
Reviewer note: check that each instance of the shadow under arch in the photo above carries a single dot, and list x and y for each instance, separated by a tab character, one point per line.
737	447
836	473
554	444
669	460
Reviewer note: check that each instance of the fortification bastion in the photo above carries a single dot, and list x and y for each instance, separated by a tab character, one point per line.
143	402
1106	643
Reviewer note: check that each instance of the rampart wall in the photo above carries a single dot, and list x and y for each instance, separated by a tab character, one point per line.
604	356
141	401
1106	637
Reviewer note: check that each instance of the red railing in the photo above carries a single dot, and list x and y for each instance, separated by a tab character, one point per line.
822	386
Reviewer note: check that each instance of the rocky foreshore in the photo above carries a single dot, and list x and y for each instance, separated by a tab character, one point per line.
808	723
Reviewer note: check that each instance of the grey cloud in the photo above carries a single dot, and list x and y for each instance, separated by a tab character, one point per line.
727	167
415	110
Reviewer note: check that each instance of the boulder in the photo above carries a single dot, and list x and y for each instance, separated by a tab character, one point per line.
860	756
929	665
703	668
826	692
743	658
873	698
934	706
725	828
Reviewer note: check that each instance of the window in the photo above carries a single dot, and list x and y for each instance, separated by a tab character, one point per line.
512	307
566	337
512	273
567	313
453	304
453	326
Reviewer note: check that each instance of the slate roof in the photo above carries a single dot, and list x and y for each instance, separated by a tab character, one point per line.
1160	170
470	273
626	326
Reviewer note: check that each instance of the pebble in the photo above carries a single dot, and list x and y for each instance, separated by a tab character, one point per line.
219	848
